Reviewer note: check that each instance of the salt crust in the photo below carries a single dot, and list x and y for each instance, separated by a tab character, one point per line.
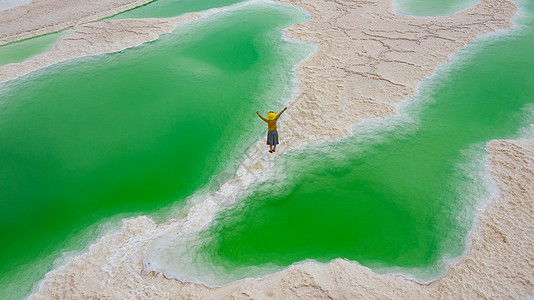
368	59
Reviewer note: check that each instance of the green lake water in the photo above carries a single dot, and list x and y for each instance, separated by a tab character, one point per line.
93	140
398	196
22	50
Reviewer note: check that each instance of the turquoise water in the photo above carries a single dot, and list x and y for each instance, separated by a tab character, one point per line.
400	195
93	140
25	49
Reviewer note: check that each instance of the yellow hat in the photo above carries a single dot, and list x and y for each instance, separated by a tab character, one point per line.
271	115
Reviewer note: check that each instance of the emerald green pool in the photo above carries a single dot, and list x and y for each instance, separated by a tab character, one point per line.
19	51
94	140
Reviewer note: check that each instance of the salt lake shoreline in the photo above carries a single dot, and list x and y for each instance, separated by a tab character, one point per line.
393	55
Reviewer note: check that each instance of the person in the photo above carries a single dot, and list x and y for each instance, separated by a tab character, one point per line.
272	133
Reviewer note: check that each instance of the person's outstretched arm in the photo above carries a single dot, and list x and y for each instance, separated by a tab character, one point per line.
278	115
264	119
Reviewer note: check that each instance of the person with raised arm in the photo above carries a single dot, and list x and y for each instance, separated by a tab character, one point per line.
272	133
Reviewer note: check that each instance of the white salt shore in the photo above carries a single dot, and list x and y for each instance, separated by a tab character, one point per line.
368	60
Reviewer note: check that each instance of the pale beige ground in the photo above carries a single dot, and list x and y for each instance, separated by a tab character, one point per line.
368	59
46	16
